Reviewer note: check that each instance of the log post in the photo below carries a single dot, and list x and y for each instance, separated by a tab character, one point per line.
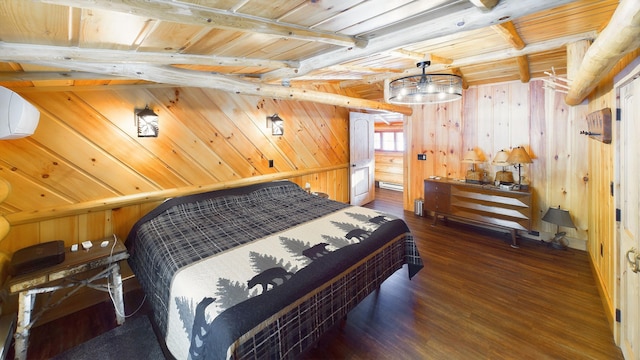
621	36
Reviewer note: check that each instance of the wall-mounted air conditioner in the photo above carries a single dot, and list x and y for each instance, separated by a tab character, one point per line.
18	118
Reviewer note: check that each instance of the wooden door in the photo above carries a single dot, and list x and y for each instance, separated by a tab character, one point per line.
629	203
362	158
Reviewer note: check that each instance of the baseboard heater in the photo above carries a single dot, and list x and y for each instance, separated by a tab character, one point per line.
390	186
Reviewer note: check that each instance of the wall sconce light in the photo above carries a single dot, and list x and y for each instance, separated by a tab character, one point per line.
504	176
147	122
519	156
472	176
561	218
276	124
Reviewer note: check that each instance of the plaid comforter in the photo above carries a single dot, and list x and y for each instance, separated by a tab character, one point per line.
221	268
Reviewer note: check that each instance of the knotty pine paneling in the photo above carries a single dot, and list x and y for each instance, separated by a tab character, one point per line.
565	152
85	158
504	116
389	166
538	140
602	243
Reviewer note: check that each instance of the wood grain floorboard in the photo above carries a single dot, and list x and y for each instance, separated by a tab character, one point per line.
476	298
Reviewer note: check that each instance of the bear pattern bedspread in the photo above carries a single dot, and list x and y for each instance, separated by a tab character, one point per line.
216	265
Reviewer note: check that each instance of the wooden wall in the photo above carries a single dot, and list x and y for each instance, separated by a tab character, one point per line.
389	167
389	164
602	235
504	116
569	169
85	174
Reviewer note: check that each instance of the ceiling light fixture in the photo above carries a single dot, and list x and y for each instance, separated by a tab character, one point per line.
425	88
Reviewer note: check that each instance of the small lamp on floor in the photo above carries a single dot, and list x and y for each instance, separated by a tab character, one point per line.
560	218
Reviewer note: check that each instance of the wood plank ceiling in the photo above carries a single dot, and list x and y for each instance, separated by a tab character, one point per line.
276	48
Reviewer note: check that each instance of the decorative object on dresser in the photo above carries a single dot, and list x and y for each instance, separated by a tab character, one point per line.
562	218
503	176
472	176
519	156
480	204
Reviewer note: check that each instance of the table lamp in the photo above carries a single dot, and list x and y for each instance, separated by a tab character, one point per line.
560	218
504	176
519	156
472	175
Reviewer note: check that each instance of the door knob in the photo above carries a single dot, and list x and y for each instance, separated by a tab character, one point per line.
633	258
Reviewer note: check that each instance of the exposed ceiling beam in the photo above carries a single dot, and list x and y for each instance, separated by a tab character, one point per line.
456	71
100	87
188	13
435	59
508	31
350	68
189	78
445	21
482	58
523	68
621	36
485	5
54	75
28	52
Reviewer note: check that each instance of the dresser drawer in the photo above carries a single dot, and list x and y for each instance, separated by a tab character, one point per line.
436	187
437	202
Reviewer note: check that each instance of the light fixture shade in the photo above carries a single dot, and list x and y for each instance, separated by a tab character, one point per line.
432	88
471	157
559	217
425	88
501	159
147	122
276	123
519	156
147	113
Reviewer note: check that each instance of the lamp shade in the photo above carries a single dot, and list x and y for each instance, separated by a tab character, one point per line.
559	217
519	156
501	159
147	123
471	157
276	124
147	113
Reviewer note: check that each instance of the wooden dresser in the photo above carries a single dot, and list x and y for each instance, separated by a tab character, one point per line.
482	204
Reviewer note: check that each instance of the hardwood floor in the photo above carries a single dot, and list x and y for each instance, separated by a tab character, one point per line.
476	298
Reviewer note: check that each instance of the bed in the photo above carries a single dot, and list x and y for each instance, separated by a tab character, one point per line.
261	271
